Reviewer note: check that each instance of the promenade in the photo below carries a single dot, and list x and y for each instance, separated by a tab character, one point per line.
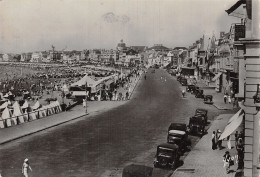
77	112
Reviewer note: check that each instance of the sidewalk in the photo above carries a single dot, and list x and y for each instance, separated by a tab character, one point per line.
18	131
133	83
218	98
202	161
93	107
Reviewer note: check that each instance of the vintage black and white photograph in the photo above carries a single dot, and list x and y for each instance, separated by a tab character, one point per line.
129	88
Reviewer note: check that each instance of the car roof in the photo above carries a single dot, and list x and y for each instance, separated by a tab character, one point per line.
181	125
201	109
169	146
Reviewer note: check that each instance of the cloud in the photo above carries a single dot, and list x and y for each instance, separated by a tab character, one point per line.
110	17
124	19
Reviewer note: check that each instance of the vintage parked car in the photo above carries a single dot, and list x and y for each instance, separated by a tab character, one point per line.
178	134
183	81
197	125
195	90
190	88
137	171
179	78
167	155
199	94
208	99
204	113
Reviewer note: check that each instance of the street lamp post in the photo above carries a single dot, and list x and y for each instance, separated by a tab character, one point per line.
86	98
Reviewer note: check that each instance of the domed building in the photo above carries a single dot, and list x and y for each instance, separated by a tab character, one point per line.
121	46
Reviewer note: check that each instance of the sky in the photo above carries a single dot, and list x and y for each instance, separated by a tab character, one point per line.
36	25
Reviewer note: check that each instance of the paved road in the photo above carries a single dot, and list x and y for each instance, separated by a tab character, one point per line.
100	145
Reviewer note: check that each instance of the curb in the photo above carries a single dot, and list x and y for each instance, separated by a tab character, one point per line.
135	86
41	129
221	108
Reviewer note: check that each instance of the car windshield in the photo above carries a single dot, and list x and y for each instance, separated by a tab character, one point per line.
164	152
200	111
172	135
196	120
178	127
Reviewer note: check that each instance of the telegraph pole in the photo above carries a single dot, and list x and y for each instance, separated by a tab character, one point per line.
86	111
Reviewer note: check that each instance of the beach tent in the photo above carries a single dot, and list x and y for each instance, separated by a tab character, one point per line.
32	115
58	106
86	79
25	105
26	116
42	113
52	107
2	125
36	105
18	112
48	110
4	105
6	95
6	116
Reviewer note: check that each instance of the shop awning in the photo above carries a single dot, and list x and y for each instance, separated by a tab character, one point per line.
233	123
216	76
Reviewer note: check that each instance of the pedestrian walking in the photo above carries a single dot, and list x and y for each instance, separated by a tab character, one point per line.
84	103
213	139
26	167
127	96
226	160
236	138
183	93
234	102
219	142
229	99
225	98
145	77
229	142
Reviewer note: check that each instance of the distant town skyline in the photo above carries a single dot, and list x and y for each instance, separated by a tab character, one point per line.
28	25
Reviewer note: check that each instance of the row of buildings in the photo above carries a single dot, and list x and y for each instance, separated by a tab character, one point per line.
232	61
122	55
215	59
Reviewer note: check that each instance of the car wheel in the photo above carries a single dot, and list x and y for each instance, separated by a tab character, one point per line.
155	165
173	166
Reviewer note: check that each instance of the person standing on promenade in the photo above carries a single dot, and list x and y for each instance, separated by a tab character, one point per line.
236	138
219	142
229	99
84	103
225	98
226	160
127	96
213	139
229	142
26	167
183	93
